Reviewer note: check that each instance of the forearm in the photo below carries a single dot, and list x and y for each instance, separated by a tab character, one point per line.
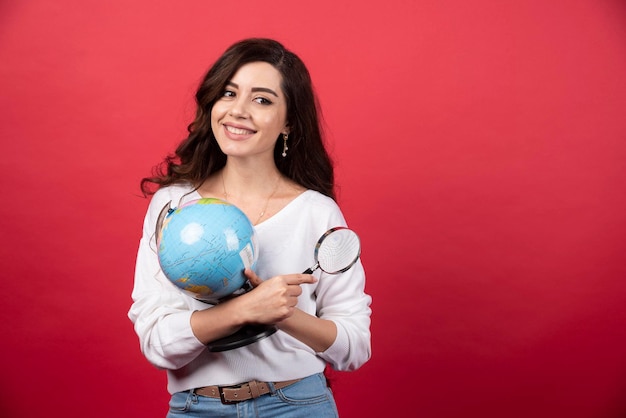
319	334
216	322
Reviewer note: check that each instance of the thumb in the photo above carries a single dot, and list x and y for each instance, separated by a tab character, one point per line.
252	277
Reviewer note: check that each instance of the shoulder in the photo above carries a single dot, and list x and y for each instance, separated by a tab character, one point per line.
322	208
175	194
313	197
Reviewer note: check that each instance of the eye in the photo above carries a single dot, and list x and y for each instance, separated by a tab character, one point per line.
228	93
263	101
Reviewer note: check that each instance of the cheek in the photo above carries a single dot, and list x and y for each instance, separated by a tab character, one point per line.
276	120
215	118
214	114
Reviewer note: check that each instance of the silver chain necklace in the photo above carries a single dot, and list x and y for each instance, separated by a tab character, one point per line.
267	202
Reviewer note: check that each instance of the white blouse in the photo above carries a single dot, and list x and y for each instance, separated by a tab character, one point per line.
161	312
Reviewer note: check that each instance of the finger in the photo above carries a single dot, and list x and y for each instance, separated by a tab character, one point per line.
301	279
252	277
295	291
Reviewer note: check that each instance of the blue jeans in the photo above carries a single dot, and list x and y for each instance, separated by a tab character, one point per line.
308	398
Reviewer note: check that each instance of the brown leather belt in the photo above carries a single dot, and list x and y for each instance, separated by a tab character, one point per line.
241	392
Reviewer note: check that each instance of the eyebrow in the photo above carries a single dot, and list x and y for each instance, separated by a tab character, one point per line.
255	89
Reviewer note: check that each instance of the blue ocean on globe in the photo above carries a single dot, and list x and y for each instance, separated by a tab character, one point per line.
204	246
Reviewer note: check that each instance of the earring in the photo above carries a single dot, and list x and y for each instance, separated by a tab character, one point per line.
285	147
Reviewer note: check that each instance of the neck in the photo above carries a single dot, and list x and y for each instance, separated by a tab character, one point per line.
241	180
250	190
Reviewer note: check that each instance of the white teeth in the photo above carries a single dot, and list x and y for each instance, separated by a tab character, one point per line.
238	131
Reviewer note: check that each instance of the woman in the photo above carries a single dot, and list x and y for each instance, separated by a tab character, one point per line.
255	142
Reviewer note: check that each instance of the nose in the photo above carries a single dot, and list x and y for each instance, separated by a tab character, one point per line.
238	108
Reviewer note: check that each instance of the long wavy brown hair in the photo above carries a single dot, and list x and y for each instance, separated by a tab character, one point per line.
198	156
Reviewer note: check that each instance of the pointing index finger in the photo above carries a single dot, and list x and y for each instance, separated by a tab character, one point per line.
301	279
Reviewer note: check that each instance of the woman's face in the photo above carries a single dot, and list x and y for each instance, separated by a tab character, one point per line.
251	113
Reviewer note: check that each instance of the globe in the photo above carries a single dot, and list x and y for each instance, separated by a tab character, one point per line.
204	246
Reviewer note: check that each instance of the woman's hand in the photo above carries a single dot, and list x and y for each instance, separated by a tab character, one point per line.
276	304
269	302
272	300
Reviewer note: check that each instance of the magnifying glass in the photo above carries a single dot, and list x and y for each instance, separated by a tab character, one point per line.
335	252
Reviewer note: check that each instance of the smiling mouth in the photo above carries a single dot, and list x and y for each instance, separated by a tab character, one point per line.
239	131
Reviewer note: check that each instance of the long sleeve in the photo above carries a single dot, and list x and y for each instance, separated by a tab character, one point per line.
161	312
350	309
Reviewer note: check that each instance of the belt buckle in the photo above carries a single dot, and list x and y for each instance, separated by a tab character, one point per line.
225	401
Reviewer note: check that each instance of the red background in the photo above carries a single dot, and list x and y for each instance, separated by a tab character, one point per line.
480	150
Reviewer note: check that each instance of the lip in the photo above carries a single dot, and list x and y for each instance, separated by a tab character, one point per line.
246	131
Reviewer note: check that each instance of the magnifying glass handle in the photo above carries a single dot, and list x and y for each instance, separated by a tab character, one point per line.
311	269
